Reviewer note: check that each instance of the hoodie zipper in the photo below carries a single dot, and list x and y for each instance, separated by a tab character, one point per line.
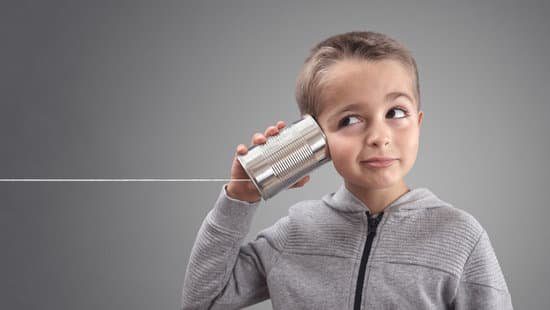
372	224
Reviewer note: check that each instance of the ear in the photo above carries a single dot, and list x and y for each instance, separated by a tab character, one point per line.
328	149
420	118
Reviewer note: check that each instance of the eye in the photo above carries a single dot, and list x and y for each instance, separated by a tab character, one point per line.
399	109
343	122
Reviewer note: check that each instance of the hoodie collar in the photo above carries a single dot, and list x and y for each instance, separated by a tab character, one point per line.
417	198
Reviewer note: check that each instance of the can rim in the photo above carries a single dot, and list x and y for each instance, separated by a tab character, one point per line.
250	177
317	123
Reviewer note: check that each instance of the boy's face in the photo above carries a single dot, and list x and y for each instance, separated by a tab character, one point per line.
383	122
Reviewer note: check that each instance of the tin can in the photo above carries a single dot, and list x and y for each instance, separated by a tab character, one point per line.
286	157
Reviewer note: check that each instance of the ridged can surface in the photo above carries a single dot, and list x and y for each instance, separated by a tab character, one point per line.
286	157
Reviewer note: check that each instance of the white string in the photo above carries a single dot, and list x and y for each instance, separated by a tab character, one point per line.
121	180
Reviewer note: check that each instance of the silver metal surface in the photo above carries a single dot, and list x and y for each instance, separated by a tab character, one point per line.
286	157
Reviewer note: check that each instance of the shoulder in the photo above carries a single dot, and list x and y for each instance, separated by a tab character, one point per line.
461	220
451	225
461	246
300	215
440	237
316	229
481	266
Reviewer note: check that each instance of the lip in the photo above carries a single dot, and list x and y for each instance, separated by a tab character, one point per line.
379	163
377	158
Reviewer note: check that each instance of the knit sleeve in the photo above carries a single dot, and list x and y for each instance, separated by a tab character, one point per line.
482	284
223	272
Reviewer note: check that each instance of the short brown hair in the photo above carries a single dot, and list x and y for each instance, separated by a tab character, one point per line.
365	45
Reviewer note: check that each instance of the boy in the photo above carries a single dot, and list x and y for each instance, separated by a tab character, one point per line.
375	243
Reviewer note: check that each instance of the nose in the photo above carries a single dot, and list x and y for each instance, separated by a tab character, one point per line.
377	135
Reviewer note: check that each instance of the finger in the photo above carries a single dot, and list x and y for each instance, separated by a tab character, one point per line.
302	182
271	131
281	124
258	138
298	184
242	149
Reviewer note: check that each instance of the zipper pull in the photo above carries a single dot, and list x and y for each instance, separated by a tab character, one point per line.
373	222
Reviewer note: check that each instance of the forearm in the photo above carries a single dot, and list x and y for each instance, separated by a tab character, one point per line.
215	250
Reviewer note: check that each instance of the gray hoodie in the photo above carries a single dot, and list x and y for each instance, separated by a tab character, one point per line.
420	253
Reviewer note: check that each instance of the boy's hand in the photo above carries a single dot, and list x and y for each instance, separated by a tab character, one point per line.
246	191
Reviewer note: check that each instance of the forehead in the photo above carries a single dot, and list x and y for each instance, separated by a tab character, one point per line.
353	81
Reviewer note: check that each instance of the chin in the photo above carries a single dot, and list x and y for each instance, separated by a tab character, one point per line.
372	184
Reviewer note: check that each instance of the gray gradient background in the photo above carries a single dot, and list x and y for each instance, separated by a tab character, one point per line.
167	90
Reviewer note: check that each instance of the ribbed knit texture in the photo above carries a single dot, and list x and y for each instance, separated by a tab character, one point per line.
427	254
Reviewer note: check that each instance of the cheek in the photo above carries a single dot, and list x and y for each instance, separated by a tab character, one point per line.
407	142
340	148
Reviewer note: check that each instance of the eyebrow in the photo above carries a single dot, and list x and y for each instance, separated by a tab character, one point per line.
357	106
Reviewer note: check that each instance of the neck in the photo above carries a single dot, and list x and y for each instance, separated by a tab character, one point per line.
378	199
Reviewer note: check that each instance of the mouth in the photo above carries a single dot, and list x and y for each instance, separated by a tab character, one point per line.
379	163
